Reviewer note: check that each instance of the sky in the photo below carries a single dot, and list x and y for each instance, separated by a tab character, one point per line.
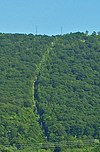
49	16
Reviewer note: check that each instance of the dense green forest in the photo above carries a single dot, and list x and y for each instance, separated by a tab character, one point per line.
50	92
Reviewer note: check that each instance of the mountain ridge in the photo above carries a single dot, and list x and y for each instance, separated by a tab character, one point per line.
62	72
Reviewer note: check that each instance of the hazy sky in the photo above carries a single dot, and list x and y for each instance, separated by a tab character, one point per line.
22	16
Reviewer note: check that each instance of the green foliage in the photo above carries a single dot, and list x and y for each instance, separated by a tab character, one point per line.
20	56
49	91
68	88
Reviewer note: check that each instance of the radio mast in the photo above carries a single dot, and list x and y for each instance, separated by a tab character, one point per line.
61	30
36	30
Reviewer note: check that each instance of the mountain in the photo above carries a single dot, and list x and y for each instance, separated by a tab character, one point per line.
49	90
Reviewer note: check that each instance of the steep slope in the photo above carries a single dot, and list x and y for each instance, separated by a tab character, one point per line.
20	56
68	89
49	89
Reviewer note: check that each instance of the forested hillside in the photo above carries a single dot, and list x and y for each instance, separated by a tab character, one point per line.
49	90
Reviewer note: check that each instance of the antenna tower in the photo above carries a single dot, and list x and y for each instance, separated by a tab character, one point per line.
36	30
61	30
